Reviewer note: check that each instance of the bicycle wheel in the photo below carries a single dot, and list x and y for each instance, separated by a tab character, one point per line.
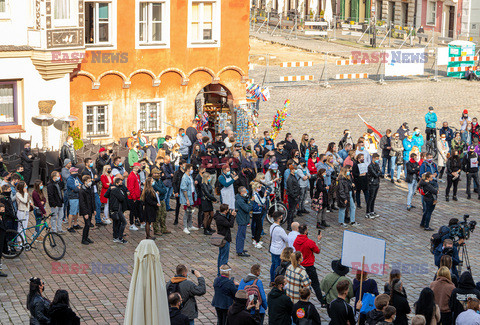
277	206
15	244
54	246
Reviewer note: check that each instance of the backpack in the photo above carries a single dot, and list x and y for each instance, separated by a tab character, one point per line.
436	239
253	290
175	287
281	270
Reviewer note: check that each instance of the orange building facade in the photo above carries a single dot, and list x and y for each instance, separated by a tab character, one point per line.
146	62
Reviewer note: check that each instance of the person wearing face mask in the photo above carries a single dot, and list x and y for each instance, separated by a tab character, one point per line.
188	197
10	209
117	204
412	169
373	176
347	138
458	144
431	121
73	189
86	207
361	149
227	192
454	169
117	167
27	162
407	147
396	157
429	166
448	132
243	206
135	205
185	143
417	139
464	121
150	205
290	143
293	192
345	197
107	180
37	304
281	158
429	191
386	146
359	173
3	230
311	165
443	147
371	141
104	158
403	131
303	176
55	201
470	166
304	145
133	154
68	151
92	172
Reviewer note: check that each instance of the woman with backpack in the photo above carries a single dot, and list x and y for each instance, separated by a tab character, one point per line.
284	261
304	312
259	207
296	277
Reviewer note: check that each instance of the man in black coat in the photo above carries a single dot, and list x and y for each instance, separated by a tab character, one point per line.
104	158
293	193
92	172
373	175
239	315
117	196
279	304
290	144
27	162
340	312
55	201
225	221
176	316
68	151
177	179
86	207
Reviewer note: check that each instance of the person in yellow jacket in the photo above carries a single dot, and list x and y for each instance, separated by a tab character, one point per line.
371	142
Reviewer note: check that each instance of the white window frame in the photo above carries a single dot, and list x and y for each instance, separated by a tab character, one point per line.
112	12
109	117
429	13
72	20
160	114
6	14
165	42
216	25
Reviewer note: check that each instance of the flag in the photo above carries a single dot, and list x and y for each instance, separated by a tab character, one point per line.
370	127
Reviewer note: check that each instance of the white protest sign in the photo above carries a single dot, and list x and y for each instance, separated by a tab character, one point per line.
356	246
409	62
442	56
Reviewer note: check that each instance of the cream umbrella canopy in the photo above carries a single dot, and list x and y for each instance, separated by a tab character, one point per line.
147	302
328	14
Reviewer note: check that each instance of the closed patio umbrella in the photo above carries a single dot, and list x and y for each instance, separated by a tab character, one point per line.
147	302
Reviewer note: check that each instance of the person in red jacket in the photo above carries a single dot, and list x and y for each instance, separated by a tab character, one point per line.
134	203
311	165
308	248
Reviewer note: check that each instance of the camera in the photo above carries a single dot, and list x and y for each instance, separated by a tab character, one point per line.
193	271
110	151
448	251
462	229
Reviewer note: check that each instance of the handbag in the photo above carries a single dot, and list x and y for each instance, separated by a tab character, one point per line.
316	204
217	240
368	303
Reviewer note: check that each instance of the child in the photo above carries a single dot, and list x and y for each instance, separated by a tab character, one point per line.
377	315
389	312
418	320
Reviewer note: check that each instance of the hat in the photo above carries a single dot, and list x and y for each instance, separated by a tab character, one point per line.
465	111
241	294
430	108
137	165
369	130
102	149
338	268
66	162
73	169
273	166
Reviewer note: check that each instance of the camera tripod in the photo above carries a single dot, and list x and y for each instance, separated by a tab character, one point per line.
465	259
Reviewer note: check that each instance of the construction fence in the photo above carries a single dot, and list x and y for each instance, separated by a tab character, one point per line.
381	33
365	66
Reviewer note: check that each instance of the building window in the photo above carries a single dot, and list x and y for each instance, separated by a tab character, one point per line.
8	103
61	9
3	6
150	22
431	12
204	23
150	114
98	25
97	120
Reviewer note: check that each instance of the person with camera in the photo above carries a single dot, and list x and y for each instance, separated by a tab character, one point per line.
187	290
470	166
429	192
176	316
448	248
238	314
225	220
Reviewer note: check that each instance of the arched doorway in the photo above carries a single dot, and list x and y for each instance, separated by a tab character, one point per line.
215	103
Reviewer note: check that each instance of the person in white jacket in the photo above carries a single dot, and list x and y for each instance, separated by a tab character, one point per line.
278	241
23	206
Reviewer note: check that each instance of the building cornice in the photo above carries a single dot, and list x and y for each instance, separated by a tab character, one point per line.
56	64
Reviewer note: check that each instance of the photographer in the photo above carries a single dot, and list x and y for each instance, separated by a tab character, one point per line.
187	290
447	248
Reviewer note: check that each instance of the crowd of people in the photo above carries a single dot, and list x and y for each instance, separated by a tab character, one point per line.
198	169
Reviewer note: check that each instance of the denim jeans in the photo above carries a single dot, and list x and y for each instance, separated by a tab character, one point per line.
240	240
66	206
386	162
352	207
167	197
223	253
38	220
394	167
427	213
412	187
57	218
98	209
275	263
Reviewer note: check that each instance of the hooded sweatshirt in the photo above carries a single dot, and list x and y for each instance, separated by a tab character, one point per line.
177	318
374	317
239	315
308	247
62	314
279	307
466	289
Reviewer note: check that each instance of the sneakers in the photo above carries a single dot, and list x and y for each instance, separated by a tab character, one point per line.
376	215
258	246
185	230
71	230
122	241
85	242
370	215
77	227
354	224
116	240
107	221
343	224
142	225
133	227
192	228
455	198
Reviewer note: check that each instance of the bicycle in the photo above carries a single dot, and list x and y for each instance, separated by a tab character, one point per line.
431	145
53	243
275	205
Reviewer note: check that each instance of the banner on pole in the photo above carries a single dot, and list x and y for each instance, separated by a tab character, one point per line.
356	246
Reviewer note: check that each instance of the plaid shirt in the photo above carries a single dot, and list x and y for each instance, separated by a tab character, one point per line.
296	278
